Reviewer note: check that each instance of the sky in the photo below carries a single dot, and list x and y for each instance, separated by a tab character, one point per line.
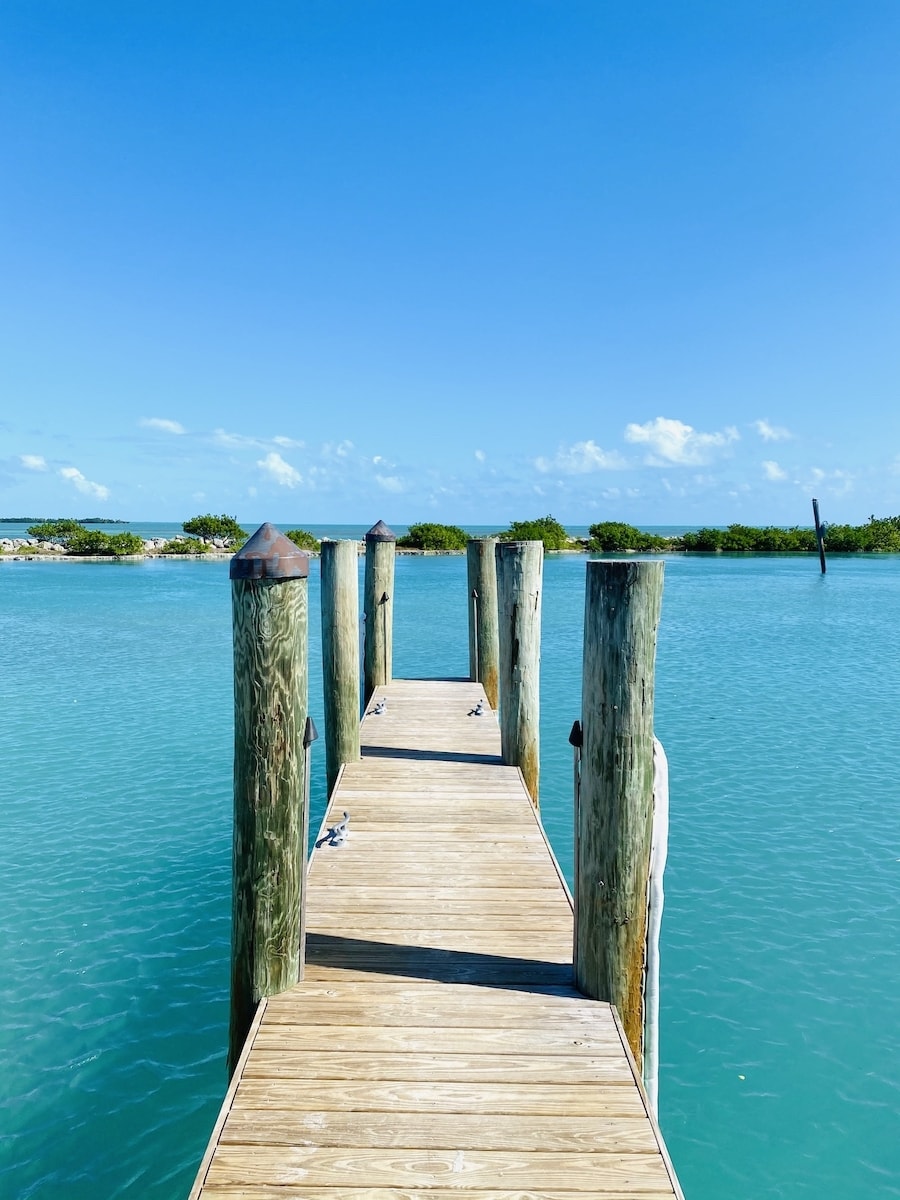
340	260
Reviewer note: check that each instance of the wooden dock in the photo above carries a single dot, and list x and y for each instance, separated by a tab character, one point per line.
436	1045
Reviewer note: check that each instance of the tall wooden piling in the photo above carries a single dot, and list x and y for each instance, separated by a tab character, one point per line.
378	601
519	582
615	803
340	655
484	637
270	619
820	536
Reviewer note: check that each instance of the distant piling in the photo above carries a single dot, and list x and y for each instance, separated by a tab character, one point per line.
614	815
820	535
378	599
270	625
340	654
484	637
519	583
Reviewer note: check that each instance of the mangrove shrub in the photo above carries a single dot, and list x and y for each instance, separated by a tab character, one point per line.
428	535
544	529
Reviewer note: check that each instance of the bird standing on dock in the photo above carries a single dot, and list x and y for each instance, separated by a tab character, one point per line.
379	708
337	835
478	710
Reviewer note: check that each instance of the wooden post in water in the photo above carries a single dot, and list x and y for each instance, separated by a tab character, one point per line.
484	638
340	654
519	579
269	610
820	535
615	803
378	601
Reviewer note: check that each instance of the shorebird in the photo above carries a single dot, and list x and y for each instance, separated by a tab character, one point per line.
337	834
478	710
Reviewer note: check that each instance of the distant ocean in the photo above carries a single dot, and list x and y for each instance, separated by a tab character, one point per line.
777	697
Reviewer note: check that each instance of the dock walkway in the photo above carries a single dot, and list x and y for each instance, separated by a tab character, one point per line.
436	1046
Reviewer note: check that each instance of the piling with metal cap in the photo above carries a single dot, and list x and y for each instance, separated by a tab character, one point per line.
614	817
484	638
378	605
519	581
340	654
270	623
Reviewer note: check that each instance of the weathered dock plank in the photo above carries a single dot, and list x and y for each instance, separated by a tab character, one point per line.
436	1045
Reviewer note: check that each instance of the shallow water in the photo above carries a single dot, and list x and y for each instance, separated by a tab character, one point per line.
776	694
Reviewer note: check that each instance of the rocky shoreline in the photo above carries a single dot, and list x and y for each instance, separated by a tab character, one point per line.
31	550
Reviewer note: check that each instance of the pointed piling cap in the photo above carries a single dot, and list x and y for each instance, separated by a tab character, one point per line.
269	555
381	533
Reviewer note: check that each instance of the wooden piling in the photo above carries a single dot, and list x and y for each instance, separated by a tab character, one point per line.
615	802
484	638
269	611
519	583
340	654
820	536
378	601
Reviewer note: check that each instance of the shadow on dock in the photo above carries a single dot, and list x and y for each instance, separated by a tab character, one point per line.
436	965
412	755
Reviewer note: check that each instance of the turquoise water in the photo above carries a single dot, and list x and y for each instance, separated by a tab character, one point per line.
776	700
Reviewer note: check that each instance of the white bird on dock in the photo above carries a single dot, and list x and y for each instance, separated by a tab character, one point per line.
337	834
379	708
478	710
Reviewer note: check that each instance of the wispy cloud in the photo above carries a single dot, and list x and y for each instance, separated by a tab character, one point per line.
33	462
580	458
835	483
98	490
279	470
287	443
390	483
480	455
772	471
233	440
771	433
162	424
672	441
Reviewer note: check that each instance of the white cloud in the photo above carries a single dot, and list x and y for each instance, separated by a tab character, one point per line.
282	472
287	443
835	483
772	471
480	455
672	441
771	433
161	423
33	462
581	458
75	477
390	483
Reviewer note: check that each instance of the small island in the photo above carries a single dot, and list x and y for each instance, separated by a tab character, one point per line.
210	535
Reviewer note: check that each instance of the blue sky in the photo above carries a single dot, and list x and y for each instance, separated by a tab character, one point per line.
317	261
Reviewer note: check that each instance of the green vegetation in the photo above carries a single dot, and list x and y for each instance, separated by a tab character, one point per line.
304	539
56	531
109	545
544	529
611	536
880	534
208	526
184	545
429	536
748	537
78	540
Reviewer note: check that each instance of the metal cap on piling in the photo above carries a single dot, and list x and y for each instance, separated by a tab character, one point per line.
268	554
381	533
